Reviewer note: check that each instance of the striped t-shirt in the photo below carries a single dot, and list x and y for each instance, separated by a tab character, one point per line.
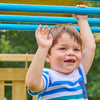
59	86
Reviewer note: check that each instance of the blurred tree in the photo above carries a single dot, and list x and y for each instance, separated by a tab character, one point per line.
93	77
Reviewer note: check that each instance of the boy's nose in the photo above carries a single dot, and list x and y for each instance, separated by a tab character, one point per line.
70	53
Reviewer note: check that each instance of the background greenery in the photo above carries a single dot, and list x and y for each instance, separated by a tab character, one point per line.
24	42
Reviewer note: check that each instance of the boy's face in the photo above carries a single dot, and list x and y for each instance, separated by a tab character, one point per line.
65	56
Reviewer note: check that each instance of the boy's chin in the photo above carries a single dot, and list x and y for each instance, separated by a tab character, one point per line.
66	72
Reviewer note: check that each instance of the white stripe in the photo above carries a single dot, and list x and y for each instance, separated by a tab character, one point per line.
45	80
61	94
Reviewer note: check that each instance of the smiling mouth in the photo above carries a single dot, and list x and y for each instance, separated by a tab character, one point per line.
70	61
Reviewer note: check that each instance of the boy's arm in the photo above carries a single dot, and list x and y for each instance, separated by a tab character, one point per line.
89	45
34	79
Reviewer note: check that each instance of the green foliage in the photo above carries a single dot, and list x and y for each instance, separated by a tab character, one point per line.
93	77
18	42
5	47
94	4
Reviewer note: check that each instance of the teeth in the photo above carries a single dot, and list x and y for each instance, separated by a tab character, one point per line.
72	60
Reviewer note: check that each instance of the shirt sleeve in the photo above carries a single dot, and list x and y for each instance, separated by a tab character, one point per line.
46	79
82	73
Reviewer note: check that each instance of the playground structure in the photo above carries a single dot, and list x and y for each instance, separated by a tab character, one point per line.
42	2
17	75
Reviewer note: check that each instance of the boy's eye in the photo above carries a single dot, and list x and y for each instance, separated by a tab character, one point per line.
62	48
76	49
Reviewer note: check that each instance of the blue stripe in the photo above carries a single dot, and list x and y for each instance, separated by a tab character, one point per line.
65	82
83	89
46	81
32	93
46	72
60	90
82	84
80	72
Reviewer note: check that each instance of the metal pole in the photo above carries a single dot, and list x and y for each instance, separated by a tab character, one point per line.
28	27
49	9
45	19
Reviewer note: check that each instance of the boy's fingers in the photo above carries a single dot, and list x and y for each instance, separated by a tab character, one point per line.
77	5
44	30
44	27
85	5
48	30
39	28
81	5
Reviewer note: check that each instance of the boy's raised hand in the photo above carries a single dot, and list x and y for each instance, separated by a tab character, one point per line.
78	17
43	39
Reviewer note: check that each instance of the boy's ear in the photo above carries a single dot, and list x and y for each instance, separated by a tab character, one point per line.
48	59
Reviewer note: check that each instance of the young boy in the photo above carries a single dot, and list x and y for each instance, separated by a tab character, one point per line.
61	47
